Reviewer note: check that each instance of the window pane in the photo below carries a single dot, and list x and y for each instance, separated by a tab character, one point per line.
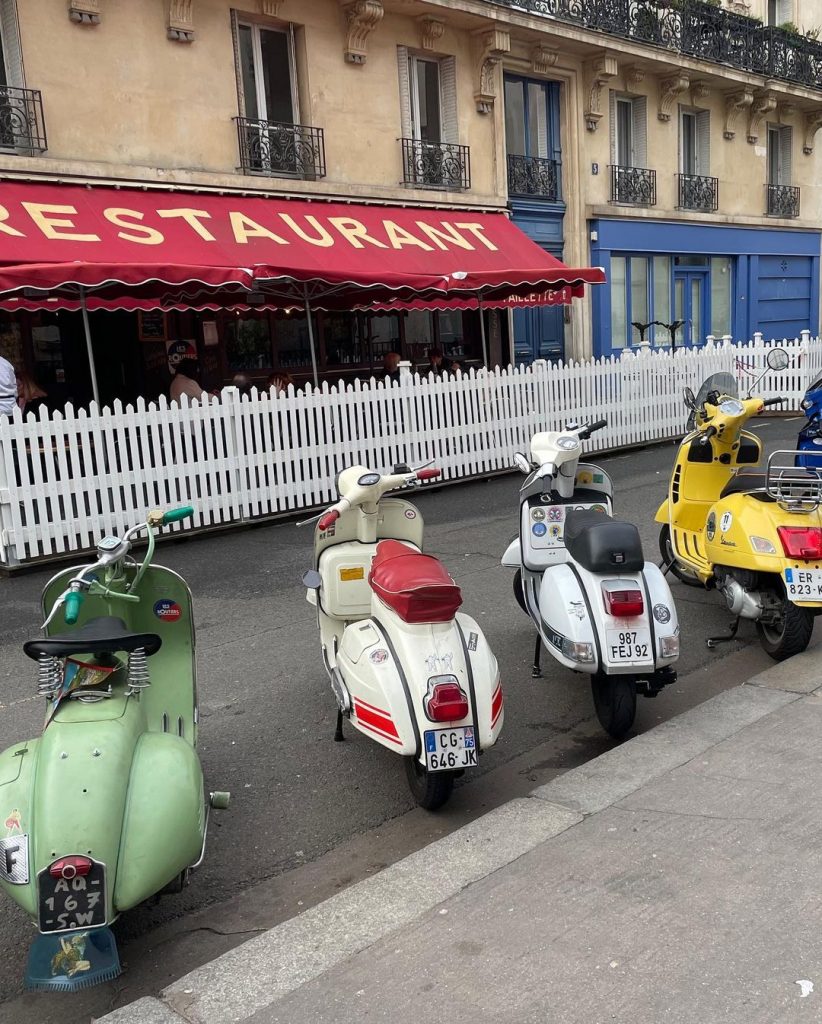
277	76
248	344
662	298
773	157
385	335
419	335
688	144
452	338
247	68
343	341
625	126
720	296
514	118
291	341
537	120
696	311
619	303
639	294
428	100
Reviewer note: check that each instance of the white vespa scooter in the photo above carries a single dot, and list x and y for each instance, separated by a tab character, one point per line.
598	606
407	670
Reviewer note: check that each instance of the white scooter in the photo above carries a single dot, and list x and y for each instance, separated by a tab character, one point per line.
407	670
598	606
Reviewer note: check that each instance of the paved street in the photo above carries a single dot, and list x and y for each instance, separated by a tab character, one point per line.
310	816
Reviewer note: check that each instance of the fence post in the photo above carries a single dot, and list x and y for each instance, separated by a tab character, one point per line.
709	339
230	399
8	552
409	420
805	336
727	340
758	338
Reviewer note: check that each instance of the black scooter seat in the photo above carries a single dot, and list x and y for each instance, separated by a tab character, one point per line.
102	635
601	544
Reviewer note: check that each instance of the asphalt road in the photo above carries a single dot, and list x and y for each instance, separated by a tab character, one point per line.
308	815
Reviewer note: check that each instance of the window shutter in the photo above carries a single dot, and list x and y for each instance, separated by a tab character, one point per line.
404	69
448	99
10	41
784	11
703	142
785	147
541	114
639	108
613	124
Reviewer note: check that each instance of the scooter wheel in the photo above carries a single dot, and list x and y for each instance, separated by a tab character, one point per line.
790	635
614	703
430	789
518	591
667	552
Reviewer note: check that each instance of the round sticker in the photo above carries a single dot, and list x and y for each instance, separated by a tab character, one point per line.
539	529
538	514
379	656
167	610
598	508
410	513
710	526
555	514
556	532
662	613
725	522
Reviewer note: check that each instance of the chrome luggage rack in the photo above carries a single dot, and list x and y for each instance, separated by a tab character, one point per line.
794	488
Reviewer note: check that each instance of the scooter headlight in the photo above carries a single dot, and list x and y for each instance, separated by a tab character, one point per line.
580	652
669	646
805	404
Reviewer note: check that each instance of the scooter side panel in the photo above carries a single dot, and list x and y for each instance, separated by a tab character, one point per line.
164	820
17	765
663	610
512	557
487	685
564	616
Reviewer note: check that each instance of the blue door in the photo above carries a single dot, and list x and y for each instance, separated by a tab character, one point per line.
691	305
539	333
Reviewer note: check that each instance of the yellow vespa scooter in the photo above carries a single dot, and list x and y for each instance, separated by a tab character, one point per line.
755	536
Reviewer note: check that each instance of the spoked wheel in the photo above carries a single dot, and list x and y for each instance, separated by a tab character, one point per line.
789	634
666	550
430	789
614	703
518	591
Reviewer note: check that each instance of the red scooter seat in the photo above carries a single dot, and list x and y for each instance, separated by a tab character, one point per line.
416	586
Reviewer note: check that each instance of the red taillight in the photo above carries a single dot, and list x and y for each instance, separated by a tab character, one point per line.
623	604
445	701
70	867
801	541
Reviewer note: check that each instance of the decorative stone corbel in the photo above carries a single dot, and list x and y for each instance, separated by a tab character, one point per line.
669	89
633	75
598	73
363	17
735	104
431	30
543	58
700	91
763	103
490	46
811	122
181	21
84	12
271	8
785	111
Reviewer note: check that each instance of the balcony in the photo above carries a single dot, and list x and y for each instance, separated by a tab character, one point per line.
435	165
22	128
782	200
698	192
635	185
694	28
277	149
533	176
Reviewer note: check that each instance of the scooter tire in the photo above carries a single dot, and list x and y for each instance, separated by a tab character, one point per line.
614	703
431	790
667	552
791	637
519	594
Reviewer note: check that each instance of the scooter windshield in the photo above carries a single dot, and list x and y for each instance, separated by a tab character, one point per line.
724	383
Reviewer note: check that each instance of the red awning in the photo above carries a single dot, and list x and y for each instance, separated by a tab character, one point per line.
153	249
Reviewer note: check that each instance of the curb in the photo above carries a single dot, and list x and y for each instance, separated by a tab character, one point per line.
265	969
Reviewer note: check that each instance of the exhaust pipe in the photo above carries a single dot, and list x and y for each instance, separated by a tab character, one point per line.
743	603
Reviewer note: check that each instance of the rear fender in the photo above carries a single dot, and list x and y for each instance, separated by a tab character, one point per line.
565	614
663	616
16	825
512	558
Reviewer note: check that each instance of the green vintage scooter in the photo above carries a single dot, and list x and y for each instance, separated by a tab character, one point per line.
106	808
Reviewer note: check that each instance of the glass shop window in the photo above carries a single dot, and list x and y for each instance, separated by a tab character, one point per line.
248	344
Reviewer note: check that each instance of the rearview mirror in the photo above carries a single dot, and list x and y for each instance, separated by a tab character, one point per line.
689	398
778	359
522	463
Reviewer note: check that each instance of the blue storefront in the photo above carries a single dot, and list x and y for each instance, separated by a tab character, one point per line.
713	279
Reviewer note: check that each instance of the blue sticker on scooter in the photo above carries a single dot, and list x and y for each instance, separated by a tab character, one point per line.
167	610
539	529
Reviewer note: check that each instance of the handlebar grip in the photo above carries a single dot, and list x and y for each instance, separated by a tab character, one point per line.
72	606
773	401
174	515
598	425
709	433
328	519
429	474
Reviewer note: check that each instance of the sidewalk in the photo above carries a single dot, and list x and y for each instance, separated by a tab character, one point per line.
675	878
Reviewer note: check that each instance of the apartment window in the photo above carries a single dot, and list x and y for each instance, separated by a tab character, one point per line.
267	66
780	11
628	130
532	137
694	142
780	140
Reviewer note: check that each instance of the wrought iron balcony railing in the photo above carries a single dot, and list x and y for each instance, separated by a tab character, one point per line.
782	200
695	28
435	164
635	185
276	148
533	176
22	127
698	192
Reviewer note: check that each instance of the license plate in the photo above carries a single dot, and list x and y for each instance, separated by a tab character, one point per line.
628	645
804	584
449	749
67	903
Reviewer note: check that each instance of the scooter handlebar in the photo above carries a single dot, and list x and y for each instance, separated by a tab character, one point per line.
174	515
328	519
709	433
74	600
429	474
591	427
773	401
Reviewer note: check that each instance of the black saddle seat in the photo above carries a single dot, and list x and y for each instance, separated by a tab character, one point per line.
103	635
601	544
741	483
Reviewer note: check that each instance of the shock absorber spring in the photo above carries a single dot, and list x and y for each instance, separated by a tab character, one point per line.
48	676
138	674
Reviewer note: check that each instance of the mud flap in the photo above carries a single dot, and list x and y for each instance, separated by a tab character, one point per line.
72	960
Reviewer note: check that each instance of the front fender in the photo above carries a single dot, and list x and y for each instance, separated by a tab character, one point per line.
513	555
663	512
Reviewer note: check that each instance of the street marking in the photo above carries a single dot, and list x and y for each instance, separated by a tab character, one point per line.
22	700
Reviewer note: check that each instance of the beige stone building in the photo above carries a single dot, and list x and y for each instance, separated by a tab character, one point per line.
673	145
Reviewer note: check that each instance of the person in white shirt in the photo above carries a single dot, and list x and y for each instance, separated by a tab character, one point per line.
8	388
185	381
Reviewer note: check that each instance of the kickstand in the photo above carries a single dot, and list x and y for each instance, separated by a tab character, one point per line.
667	566
714	640
536	671
338	735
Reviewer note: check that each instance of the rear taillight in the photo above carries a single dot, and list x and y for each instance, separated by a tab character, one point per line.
801	541
70	867
445	701
623	604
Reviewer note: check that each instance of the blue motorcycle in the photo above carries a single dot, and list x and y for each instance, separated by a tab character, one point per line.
809	443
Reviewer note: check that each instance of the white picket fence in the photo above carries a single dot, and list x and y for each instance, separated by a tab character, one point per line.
67	478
